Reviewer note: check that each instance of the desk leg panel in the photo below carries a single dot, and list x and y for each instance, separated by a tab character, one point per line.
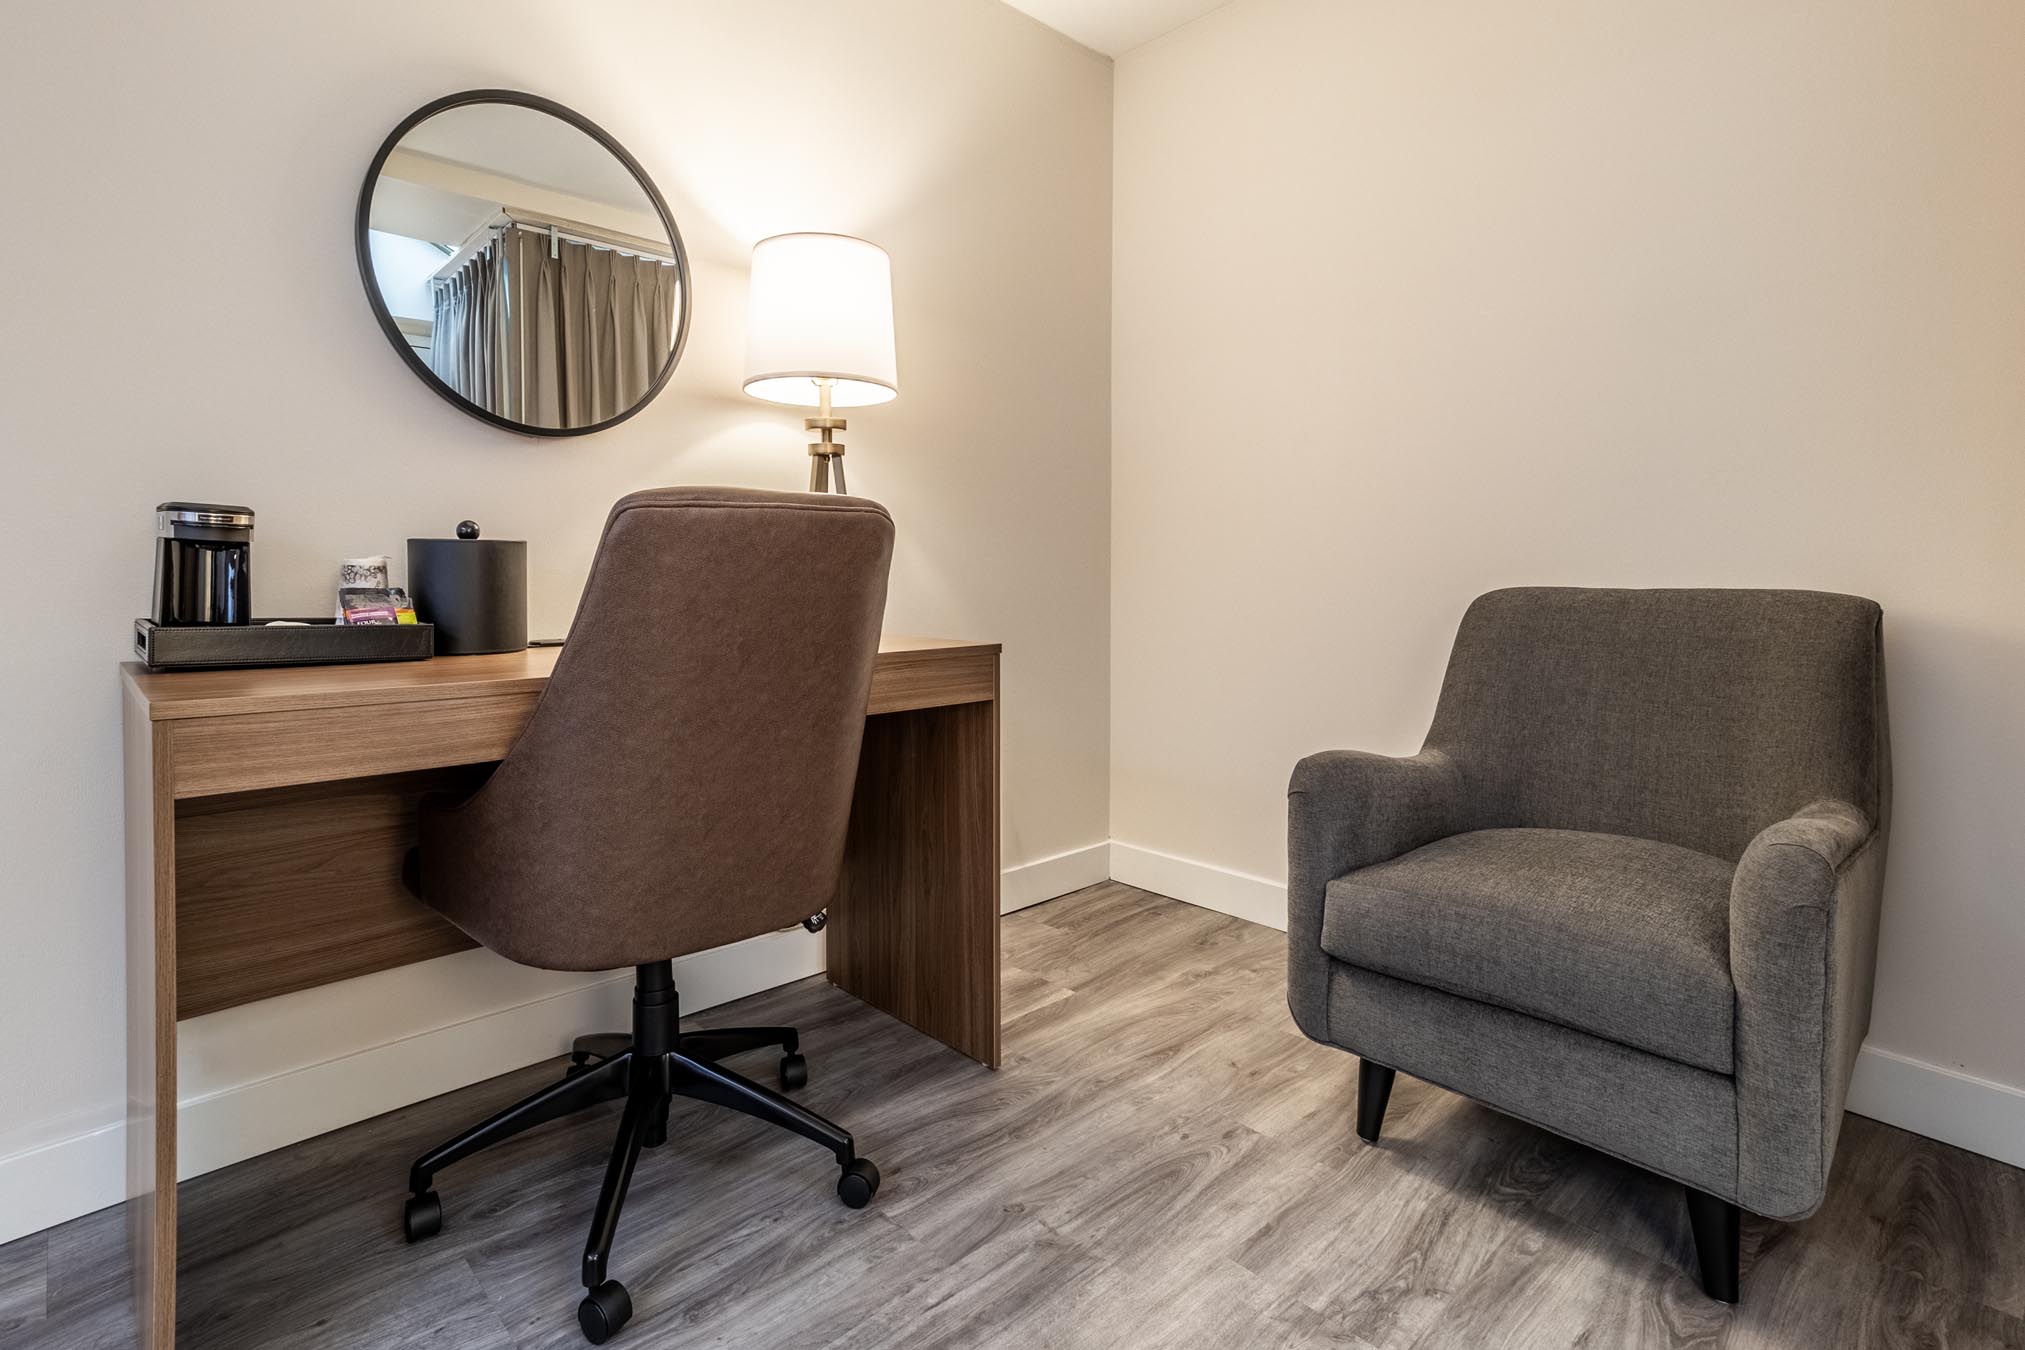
151	1024
914	929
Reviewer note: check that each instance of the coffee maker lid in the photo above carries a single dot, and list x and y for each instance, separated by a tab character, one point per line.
211	514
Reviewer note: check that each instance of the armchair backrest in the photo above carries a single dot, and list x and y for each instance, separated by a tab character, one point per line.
1694	717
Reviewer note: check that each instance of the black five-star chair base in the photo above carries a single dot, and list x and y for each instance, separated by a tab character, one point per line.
650	1068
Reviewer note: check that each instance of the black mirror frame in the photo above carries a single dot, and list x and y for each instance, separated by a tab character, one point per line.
393	331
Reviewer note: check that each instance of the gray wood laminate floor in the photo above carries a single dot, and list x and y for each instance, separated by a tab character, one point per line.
1163	1161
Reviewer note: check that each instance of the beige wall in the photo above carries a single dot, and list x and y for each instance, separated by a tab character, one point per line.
1413	300
185	319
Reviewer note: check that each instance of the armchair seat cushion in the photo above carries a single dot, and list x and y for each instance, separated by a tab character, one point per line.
1625	939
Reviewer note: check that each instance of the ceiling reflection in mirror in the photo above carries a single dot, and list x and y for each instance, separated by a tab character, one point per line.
527	267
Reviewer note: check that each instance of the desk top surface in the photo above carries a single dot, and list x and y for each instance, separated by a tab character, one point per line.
220	693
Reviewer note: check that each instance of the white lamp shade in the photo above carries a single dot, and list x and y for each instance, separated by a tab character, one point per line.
822	308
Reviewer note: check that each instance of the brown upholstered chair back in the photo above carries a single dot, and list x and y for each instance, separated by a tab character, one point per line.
686	778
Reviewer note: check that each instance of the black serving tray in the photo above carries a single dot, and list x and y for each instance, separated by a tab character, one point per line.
322	643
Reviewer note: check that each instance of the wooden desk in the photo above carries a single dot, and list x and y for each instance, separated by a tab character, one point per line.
268	811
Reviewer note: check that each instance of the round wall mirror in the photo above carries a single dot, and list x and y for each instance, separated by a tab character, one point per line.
522	263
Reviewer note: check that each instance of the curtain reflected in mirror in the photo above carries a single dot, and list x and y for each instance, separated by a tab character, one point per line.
553	332
521	260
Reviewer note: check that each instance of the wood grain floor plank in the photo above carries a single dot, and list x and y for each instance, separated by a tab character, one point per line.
1632	1208
24	1282
1023	991
90	1262
1164	1161
104	1326
1803	1294
1550	1275
1148	1300
1937	1203
997	1292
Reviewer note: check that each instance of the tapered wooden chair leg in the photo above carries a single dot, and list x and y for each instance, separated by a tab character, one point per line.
1374	1089
1718	1226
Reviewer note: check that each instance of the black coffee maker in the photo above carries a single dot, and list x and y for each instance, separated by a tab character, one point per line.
203	564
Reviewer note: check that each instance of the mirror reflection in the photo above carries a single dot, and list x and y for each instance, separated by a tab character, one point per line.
525	265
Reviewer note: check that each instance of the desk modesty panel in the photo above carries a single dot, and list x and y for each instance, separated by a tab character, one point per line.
268	812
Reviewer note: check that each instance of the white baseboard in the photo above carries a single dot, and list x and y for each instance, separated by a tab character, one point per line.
272	1074
1047	878
228	1117
1198	883
49	1183
1956	1108
1945	1104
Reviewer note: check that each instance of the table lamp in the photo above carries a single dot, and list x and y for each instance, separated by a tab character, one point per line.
820	335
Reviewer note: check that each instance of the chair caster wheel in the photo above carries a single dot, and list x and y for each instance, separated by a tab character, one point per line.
794	1072
422	1216
859	1183
604	1310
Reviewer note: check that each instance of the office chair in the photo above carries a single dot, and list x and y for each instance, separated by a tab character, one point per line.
684	783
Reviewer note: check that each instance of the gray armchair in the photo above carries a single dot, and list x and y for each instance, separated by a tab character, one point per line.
1628	891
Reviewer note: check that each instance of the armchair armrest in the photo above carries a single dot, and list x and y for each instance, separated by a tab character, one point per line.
1347	809
1803	949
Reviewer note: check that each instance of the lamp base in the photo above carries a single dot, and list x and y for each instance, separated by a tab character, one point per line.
823	466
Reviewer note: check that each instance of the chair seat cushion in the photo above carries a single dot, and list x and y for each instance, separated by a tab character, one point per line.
1627	939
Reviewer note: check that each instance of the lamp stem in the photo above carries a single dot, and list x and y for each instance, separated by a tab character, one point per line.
826	456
